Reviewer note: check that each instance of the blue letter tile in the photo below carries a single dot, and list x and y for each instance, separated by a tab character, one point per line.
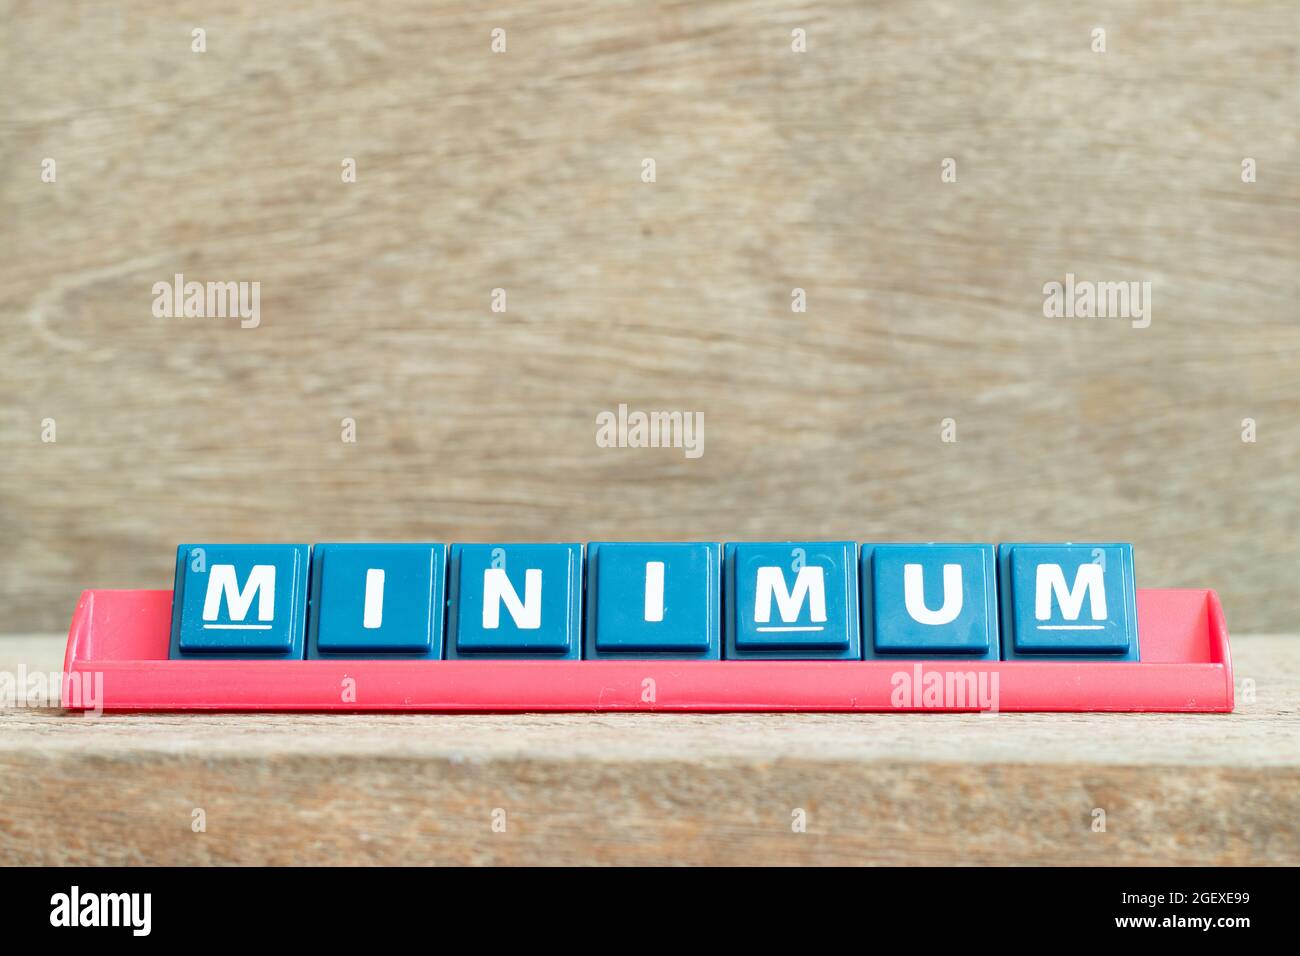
793	600
377	600
653	600
515	600
240	601
1068	601
929	600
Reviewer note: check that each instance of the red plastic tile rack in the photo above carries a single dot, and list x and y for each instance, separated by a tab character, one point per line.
119	639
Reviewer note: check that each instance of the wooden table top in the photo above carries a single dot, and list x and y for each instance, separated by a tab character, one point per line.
655	788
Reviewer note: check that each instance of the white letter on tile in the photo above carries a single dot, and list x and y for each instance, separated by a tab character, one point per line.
914	594
1088	580
497	588
373	616
654	591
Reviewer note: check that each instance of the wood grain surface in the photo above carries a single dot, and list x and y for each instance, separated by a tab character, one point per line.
775	171
658	788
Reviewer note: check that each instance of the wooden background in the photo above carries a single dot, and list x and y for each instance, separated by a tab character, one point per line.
775	170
